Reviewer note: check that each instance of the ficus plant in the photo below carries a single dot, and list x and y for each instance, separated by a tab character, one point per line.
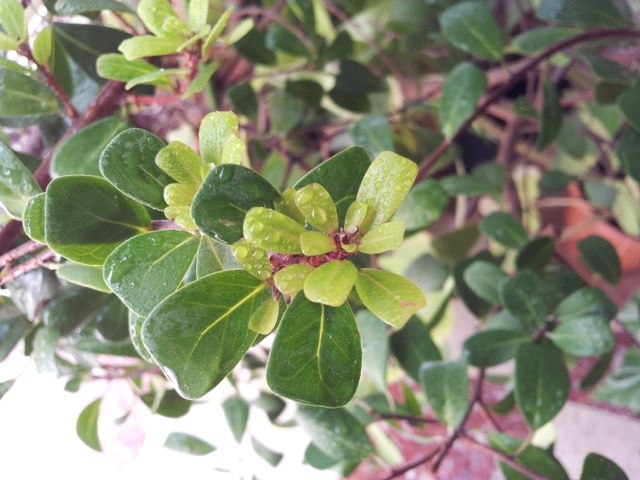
304	202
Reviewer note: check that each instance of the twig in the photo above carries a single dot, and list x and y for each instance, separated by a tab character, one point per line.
396	472
396	416
126	23
627	332
20	251
31	264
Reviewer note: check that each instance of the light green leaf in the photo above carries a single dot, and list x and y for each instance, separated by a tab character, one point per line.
216	31
390	297
316	243
148	46
115	66
155	13
272	231
331	283
88	276
384	237
199	83
462	89
185	443
215	129
182	164
87	425
359	217
254	259
198	14
17	185
290	280
264	319
446	386
316	355
157	76
33	218
42	48
13	19
316	204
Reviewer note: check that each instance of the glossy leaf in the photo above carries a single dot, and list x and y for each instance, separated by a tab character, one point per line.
341	175
155	13
148	46
128	162
386	184
88	276
316	243
236	411
17	185
493	347
470	26
505	229
185	443
359	217
446	386
87	425
215	130
13	19
541	382
390	297
522	297
147	268
114	66
316	204
599	467
601	258
197	355
412	346
264	318
135	333
272	231
584	336
33	218
484	279
462	89
331	283
213	256
42	48
424	204
535	254
290	280
23	100
384	237
336	432
254	259
316	355
228	192
81	152
86	218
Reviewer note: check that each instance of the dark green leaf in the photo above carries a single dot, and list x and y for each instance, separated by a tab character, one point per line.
72	308
483	278
493	347
13	326
597	371
147	268
556	283
454	245
23	100
550	117
236	411
585	336
353	83
627	150
185	443
243	98
341	48
227	193
541	382
462	89
601	258
129	163
591	13
309	91
608	70
317	458
372	132
336	432
473	302
504	229
135	333
75	7
413	346
279	38
213	256
554	181
86	218
537	39
468	185
171	404
424	204
33	218
199	354
17	185
522	297
470	26
375	347
254	48
89	276
87	425
586	302
598	467
272	457
446	386
628	103
316	355
535	254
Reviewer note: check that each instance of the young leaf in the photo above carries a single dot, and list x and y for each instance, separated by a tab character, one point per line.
336	432
470	26
390	297
484	279
462	89
227	193
215	129
216	31
23	100
264	319
446	386
585	336
359	217
290	280
147	268
154	14
601	258
541	382
33	218
316	355
424	204
88	276
87	425
181	163
412	346
17	185
384	237
386	184
505	229
198	13
199	354
79	155
86	218
42	48
128	162
493	347
331	283
13	19
598	467
272	230
149	46
316	204
316	243
236	411
114	66
199	83
254	259
185	443
522	297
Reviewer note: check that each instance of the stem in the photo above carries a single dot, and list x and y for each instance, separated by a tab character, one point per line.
24	249
396	416
31	264
396	472
516	76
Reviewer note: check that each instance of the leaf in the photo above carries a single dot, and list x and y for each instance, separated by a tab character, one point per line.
155	13
290	280
272	231
75	7
316	355
390	297
492	347
13	326
285	111
87	425
336	432
424	204
148	46
43	345
352	86
114	66
185	443
236	411
199	83
128	162
17	185
244	100
42	48
470	27
537	39
627	102
331	283
622	387
599	193
412	346
550	117
271	404
86	218
227	193
309	92
316	243
13	19
446	386
462	89
427	273
212	257
375	348
372	132
386	184
586	301
601	258
598	467
584	337
591	13
468	185
171	405
341	175
453	246
198	13
384	237
316	205
135	333
72	309
215	130
505	229
252	44
522	297
6	386
254	259
473	302
199	354
484	278
279	38
81	152
317	459
33	218
541	382
272	457
23	100
535	254
626	150
147	268
83	275
86	42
